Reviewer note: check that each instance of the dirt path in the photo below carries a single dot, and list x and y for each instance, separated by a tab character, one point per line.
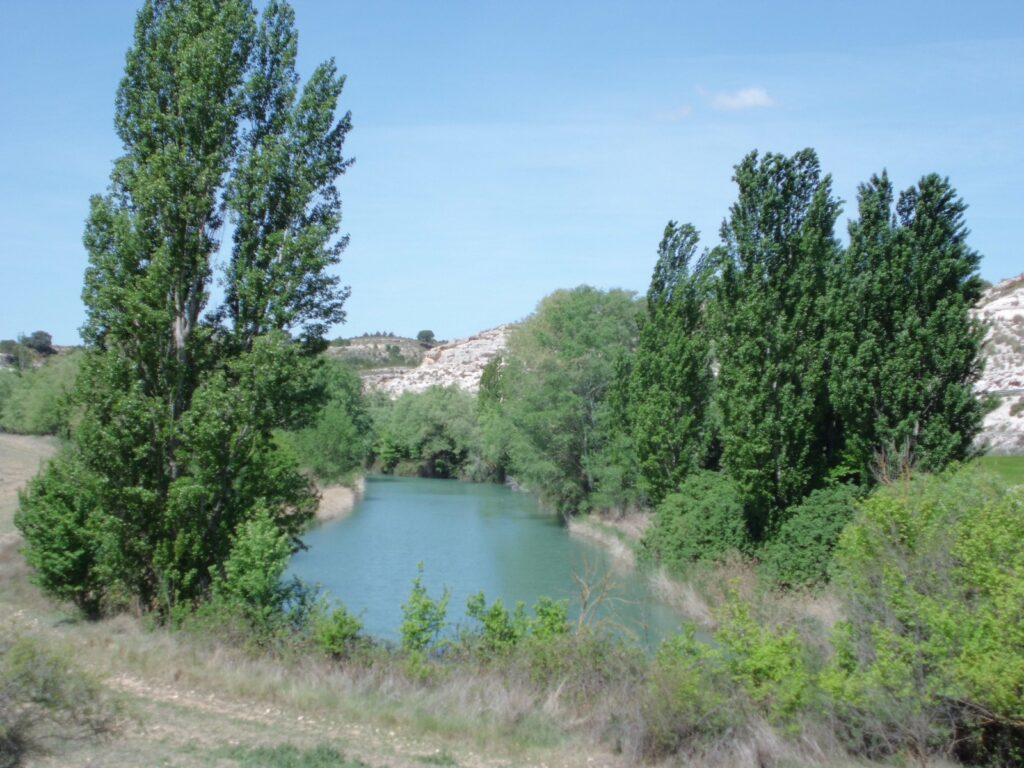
187	710
20	458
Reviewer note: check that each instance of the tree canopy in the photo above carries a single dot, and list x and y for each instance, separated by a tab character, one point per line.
180	400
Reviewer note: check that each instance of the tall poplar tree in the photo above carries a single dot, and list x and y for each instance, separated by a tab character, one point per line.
777	249
906	350
670	380
174	449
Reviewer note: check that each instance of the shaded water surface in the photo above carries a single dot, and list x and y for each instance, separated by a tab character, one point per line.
470	537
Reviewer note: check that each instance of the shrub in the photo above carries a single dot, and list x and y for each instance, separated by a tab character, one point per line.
56	516
703	521
501	631
43	698
800	553
335	631
689	701
769	663
702	693
932	577
424	617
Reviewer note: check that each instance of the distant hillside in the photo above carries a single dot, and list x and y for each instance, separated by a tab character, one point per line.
379	351
459	363
1002	307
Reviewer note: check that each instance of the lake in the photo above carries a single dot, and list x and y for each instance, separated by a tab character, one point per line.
469	537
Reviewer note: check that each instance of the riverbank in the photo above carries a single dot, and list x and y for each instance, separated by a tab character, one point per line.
199	701
338	501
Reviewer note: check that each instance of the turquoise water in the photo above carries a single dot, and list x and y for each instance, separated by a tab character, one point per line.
469	537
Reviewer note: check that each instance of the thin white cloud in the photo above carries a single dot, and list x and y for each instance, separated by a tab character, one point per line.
675	115
745	98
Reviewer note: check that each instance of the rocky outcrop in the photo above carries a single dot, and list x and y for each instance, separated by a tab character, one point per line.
455	363
1002	309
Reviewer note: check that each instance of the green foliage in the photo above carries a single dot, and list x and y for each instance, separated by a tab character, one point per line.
771	665
70	553
180	405
689	701
778	248
932	577
337	444
252	571
425	337
434	433
39	342
424	617
1010	469
35	401
906	350
554	378
500	631
44	698
705	520
670	381
799	555
335	631
700	693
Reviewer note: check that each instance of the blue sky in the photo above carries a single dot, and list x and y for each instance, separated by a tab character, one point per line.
504	150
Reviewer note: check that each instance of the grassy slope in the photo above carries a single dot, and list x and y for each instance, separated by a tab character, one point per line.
191	703
1009	468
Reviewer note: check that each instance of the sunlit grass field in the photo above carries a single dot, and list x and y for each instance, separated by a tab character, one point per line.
1009	468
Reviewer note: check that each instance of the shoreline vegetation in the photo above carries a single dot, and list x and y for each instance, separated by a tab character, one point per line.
797	409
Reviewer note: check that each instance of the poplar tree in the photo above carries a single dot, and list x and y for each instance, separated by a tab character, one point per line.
906	350
777	249
173	449
670	380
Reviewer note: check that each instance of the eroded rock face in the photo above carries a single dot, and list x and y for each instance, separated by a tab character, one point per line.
460	363
1002	308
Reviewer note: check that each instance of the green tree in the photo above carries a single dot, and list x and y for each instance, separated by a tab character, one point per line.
179	408
338	443
425	337
906	350
39	341
670	383
434	433
553	384
770	327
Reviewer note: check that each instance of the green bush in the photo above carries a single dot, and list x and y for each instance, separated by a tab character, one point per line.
689	701
56	517
931	574
771	664
800	553
703	521
424	617
44	699
335	631
501	631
